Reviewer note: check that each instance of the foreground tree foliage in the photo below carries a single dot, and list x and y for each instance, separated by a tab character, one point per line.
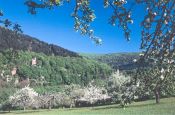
9	24
157	25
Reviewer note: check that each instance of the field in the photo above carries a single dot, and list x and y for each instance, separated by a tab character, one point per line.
166	107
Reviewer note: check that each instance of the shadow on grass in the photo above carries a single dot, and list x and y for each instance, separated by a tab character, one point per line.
27	112
4	112
127	106
142	105
107	107
20	112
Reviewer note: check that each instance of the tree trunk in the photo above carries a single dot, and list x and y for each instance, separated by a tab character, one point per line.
9	110
24	108
50	105
9	107
157	95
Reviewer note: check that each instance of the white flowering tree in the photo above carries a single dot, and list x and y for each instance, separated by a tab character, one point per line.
121	88
93	95
23	97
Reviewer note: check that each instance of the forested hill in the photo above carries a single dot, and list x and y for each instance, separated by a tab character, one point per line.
11	40
123	61
25	60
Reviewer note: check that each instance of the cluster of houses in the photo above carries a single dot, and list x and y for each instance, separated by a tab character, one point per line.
12	76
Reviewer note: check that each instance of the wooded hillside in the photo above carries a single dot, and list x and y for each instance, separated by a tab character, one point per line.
10	39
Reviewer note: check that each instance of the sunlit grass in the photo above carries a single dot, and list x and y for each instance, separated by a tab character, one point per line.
166	107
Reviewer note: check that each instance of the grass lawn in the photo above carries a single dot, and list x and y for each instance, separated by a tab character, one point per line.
166	107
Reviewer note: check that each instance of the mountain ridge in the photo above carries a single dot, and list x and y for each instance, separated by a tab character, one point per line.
122	60
12	40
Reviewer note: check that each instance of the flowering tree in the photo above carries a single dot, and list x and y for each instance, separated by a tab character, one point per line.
75	92
121	89
23	98
93	95
153	81
157	25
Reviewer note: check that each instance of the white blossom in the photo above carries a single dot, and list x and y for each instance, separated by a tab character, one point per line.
135	60
161	77
23	97
162	70
165	14
141	54
94	94
155	14
166	22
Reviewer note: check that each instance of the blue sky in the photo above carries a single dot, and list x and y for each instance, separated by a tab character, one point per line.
56	27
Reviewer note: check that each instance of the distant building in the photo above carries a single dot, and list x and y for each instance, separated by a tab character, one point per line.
34	62
13	72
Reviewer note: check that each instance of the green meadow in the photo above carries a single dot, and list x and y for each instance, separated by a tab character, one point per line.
166	107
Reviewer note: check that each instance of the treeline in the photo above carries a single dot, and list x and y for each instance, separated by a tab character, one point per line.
122	61
10	39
